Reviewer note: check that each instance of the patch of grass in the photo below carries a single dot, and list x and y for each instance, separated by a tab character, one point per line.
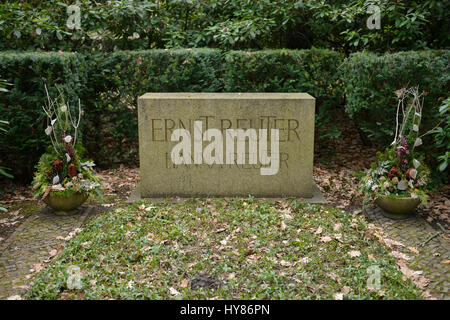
255	249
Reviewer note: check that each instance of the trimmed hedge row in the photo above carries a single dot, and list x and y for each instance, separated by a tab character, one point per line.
109	84
25	140
370	82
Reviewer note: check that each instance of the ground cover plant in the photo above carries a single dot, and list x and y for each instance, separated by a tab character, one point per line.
335	177
224	249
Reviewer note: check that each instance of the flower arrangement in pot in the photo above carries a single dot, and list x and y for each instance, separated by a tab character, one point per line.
399	181
63	179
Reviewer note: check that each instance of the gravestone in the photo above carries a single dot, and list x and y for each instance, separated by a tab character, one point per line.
226	144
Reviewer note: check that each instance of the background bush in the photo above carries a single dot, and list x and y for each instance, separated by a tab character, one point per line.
25	140
226	24
370	82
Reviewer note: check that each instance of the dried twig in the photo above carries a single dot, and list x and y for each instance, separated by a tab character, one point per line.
430	238
51	111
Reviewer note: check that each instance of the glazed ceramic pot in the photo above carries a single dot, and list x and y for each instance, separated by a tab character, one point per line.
397	208
65	206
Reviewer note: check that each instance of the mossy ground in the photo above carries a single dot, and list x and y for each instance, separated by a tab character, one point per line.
254	249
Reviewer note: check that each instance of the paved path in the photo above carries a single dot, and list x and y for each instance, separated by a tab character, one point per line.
30	244
414	231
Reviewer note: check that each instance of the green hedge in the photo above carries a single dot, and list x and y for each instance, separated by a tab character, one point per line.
370	82
117	79
25	141
109	84
313	71
231	24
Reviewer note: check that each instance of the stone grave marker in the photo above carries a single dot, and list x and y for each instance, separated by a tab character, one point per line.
226	144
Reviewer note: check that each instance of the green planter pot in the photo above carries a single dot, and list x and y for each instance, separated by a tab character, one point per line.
66	206
397	208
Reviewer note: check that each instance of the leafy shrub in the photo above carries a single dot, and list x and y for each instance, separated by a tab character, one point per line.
3	123
404	25
109	84
24	142
32	24
370	82
225	24
117	79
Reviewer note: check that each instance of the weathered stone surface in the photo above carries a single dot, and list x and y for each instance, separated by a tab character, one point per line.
30	244
203	172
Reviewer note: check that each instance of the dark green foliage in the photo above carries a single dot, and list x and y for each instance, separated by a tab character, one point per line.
116	81
313	71
441	136
3	128
225	24
25	141
370	82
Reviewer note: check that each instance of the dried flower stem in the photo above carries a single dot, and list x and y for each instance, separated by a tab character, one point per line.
51	111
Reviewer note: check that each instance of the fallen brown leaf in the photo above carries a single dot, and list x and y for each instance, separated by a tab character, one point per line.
184	283
355	253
